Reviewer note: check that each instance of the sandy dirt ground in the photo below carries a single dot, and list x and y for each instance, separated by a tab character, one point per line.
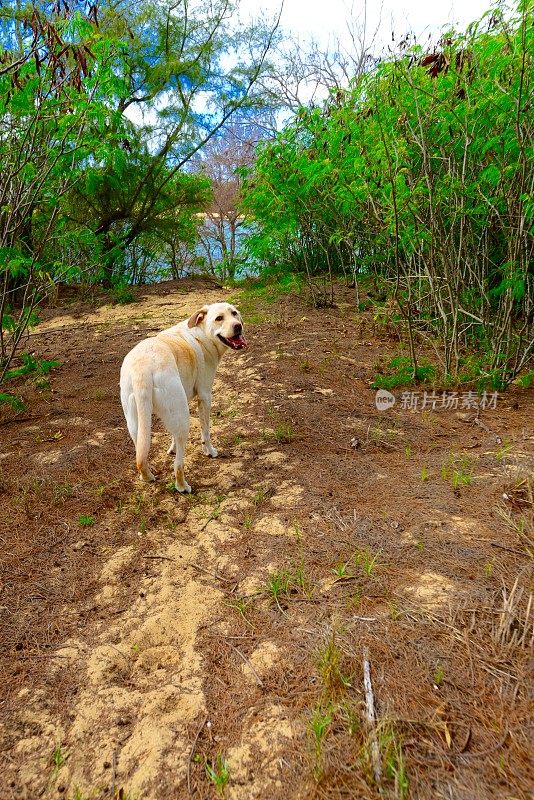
162	646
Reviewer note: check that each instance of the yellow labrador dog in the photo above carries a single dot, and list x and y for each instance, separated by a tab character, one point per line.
163	373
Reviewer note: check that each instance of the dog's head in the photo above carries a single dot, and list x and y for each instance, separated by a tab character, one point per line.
222	322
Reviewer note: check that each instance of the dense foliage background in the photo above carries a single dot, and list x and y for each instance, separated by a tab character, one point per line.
104	108
419	175
126	133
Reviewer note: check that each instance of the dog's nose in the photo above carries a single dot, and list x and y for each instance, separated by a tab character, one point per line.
238	328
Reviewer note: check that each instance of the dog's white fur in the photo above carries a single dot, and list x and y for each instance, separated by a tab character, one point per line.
162	374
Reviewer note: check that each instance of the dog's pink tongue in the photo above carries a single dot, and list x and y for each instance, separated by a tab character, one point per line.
239	341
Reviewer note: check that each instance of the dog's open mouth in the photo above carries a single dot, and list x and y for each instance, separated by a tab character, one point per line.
235	342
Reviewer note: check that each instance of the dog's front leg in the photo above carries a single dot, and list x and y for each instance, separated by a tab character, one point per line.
204	408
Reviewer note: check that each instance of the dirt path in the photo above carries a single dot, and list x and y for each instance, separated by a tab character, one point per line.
162	646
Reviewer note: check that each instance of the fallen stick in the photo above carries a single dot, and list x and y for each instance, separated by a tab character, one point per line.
488	750
344	578
501	546
485	428
215	575
481	424
247	662
192	753
209	519
371	717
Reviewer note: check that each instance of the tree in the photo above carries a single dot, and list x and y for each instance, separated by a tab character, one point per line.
174	73
56	70
81	182
223	221
305	73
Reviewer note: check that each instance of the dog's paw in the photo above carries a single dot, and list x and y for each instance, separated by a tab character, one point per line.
172	450
184	489
209	450
147	477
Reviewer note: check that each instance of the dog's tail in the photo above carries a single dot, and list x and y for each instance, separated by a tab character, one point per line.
142	392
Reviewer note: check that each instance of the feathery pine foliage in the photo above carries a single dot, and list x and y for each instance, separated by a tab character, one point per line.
56	77
85	193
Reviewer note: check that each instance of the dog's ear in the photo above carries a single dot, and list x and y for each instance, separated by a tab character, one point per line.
197	317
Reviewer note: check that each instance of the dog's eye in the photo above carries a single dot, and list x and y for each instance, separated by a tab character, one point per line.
219	318
234	313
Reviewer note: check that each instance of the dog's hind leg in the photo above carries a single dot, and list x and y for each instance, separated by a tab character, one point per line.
172	408
143	403
129	405
204	408
179	478
130	412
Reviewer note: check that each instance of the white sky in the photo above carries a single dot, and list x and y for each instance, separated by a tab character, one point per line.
328	20
322	19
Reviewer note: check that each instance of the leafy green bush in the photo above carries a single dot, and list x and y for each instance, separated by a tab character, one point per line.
11	400
31	364
400	372
476	369
525	381
421	175
121	295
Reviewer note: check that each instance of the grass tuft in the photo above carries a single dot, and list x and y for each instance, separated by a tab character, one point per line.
218	772
457	470
329	664
320	722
